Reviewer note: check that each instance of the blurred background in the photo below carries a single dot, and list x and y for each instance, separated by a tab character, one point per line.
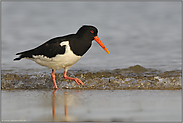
143	33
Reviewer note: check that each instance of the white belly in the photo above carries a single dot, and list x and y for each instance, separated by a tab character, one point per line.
59	61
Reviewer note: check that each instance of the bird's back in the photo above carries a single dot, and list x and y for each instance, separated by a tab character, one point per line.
49	49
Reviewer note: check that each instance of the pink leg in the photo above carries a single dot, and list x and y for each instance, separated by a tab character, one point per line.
53	78
78	81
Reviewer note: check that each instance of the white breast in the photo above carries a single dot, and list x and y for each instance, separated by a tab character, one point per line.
59	61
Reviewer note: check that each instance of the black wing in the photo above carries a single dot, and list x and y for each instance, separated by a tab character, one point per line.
49	49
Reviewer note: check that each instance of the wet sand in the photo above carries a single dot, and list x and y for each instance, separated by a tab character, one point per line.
134	77
91	105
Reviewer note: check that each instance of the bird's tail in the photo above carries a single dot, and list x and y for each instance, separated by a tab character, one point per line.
25	54
17	59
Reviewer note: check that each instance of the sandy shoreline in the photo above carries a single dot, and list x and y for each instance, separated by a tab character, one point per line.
91	105
132	78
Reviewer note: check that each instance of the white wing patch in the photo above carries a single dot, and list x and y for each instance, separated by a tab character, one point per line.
59	61
64	43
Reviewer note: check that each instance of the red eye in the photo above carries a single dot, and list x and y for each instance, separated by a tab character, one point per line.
92	31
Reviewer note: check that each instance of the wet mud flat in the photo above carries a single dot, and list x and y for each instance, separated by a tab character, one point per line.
135	77
46	105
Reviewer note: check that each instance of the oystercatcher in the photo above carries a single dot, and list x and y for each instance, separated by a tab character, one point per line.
63	52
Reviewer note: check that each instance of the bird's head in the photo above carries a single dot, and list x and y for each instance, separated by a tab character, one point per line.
90	32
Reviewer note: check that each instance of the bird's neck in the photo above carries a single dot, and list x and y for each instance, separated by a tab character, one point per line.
81	46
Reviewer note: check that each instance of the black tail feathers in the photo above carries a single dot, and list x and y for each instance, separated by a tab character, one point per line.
20	57
17	59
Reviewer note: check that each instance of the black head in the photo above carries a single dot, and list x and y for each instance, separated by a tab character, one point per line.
87	32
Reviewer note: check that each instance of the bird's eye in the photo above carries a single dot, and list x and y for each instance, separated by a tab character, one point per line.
92	31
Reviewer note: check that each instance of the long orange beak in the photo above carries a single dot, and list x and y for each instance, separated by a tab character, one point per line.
96	38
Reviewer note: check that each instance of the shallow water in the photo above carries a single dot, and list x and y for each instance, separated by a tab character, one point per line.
91	105
134	77
134	32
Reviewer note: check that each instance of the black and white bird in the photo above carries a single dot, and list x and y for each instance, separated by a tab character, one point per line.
63	52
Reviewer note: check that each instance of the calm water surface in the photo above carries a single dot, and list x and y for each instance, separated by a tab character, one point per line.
134	32
91	105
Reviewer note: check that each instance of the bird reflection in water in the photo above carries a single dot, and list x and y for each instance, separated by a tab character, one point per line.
53	105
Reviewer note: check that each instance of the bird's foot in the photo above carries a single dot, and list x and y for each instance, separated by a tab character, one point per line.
56	88
78	81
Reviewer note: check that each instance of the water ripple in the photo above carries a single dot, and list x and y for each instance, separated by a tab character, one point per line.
134	77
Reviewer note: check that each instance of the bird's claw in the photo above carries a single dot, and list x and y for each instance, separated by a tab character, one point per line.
78	81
